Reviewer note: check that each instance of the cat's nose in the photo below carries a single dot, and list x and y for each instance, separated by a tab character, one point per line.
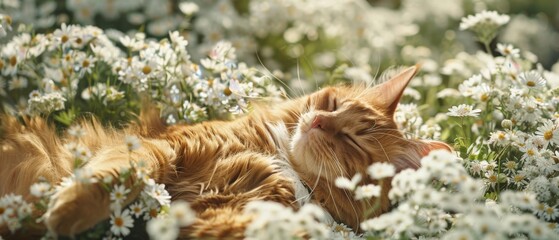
316	122
322	122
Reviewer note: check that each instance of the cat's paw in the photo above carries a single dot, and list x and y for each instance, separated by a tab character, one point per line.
77	208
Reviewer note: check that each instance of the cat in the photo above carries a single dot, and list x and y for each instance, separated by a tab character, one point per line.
273	154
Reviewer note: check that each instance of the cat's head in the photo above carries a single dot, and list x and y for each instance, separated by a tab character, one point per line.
345	129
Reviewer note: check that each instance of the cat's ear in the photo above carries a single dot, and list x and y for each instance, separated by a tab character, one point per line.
387	94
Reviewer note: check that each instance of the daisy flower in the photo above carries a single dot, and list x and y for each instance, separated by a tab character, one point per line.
132	142
63	34
188	8
40	189
367	191
121	222
547	212
532	79
490	20
17	83
499	138
76	131
118	195
345	183
137	209
158	192
381	170
549	132
508	50
162	228
463	110
182	212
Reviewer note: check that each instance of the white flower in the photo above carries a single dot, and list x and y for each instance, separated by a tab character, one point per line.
137	209
463	110
188	8
158	192
5	25
486	19
272	220
532	79
84	175
462	234
40	189
523	200
118	194
76	131
508	50
499	138
180	210
163	228
132	142
121	222
549	132
548	213
367	191
17	83
381	170
345	183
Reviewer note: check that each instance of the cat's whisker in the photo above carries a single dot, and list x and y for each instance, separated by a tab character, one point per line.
211	177
376	73
332	197
344	174
301	89
382	147
274	76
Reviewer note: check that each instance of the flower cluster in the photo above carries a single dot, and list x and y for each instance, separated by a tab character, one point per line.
440	200
79	69
13	211
274	221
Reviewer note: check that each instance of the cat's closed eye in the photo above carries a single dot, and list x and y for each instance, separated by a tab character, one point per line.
333	104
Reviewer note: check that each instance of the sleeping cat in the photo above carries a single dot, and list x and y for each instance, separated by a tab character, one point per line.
218	167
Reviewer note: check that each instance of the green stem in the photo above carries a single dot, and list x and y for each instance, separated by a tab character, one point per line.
487	48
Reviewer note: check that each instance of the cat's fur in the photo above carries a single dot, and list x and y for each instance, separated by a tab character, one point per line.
218	167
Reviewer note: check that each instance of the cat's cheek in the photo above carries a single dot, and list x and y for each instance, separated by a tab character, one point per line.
303	157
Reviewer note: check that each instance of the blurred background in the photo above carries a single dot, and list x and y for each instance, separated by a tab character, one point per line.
307	40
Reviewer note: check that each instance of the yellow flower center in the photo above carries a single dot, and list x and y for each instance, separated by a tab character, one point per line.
13	60
146	69
548	135
85	63
153	213
64	38
227	91
531	83
501	136
119	222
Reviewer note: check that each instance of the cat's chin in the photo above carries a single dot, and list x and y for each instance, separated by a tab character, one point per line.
302	149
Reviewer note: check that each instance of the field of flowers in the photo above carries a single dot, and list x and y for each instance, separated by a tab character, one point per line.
489	86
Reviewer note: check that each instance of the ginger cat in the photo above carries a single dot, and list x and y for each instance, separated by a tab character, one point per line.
218	167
